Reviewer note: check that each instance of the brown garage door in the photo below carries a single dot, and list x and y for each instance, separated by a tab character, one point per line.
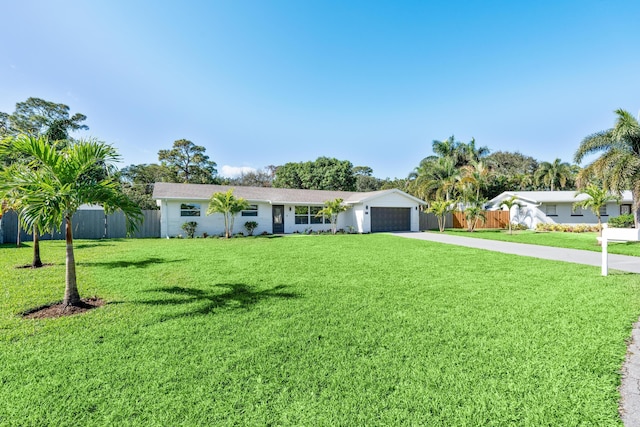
390	219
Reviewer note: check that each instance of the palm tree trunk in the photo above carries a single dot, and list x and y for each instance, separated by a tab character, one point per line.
635	206
71	295
18	240
37	262
599	226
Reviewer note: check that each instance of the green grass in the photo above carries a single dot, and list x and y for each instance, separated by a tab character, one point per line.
312	330
585	241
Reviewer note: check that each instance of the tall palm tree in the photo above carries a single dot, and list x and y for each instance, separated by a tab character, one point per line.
619	163
57	182
435	178
556	172
447	148
472	154
475	176
598	197
228	205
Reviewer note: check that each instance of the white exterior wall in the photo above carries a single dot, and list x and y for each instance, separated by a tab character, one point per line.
391	200
531	215
171	221
357	216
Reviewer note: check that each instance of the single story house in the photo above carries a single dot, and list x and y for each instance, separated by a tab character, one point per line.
556	207
284	210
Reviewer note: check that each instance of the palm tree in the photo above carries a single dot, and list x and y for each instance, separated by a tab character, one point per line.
472	154
553	173
598	197
57	182
474	214
509	204
435	178
228	205
12	200
331	210
619	163
447	148
475	176
440	208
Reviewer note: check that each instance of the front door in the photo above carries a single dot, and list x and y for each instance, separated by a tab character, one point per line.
278	219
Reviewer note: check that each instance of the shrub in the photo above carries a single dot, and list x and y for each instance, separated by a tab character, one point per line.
190	228
567	228
250	226
622	221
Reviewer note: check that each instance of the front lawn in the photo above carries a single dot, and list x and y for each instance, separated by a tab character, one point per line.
584	241
312	330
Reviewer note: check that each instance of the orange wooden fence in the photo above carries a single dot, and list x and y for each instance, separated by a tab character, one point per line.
494	219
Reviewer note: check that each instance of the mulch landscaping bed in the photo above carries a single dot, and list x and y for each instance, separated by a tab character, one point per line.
59	309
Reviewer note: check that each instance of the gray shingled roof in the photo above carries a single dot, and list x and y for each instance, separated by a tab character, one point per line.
167	190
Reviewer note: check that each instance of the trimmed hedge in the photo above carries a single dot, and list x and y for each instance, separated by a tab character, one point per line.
622	221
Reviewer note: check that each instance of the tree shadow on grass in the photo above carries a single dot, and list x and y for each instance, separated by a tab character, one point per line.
143	263
235	296
97	244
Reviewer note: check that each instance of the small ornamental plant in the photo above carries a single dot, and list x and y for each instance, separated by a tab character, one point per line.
250	226
190	228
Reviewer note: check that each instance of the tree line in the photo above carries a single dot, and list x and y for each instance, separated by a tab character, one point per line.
455	170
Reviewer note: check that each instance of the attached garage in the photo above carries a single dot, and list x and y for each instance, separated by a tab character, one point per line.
390	219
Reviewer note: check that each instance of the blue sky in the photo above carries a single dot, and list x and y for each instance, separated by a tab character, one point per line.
270	82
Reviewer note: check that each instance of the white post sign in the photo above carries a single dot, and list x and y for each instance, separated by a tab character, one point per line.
618	235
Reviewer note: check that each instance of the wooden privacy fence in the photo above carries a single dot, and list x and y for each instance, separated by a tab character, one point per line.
494	219
87	224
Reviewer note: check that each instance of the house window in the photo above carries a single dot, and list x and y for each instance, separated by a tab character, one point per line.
192	209
603	210
252	210
302	214
550	210
315	219
577	211
307	215
625	209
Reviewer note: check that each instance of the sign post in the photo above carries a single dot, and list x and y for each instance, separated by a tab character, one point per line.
617	235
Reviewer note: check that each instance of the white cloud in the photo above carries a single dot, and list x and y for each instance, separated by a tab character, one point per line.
235	171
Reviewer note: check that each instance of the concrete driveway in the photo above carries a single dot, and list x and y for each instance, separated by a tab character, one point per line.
626	263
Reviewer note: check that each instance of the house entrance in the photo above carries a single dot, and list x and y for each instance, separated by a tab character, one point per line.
278	219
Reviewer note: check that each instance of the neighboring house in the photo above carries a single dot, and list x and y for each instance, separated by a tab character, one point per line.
557	207
284	210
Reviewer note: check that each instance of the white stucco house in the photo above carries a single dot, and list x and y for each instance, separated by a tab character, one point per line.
556	207
283	210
